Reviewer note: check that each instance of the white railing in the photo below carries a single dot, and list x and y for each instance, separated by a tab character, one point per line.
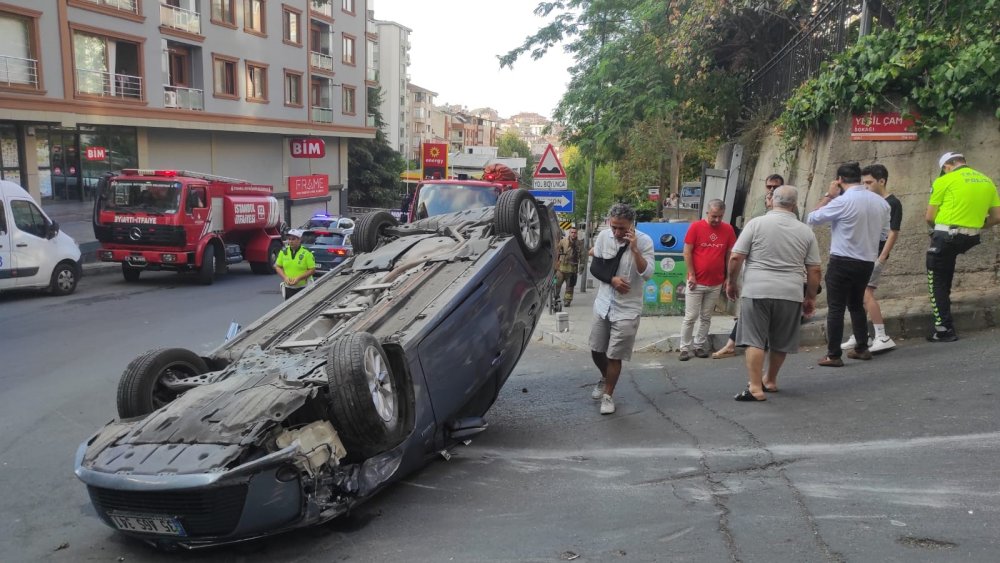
325	8
183	98
319	60
15	71
101	83
371	28
322	115
370	120
179	18
123	5
371	74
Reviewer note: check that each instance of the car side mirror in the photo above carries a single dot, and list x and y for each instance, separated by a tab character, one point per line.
51	230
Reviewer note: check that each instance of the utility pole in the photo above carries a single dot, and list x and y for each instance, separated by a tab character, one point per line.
586	227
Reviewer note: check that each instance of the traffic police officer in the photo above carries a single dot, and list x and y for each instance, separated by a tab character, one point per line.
962	202
295	265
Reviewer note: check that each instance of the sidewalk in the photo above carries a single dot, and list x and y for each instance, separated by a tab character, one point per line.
907	318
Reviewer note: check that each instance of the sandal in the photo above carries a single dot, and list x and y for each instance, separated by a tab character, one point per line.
747	396
719	354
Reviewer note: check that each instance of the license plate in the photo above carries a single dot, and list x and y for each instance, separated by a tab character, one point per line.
137	260
147	524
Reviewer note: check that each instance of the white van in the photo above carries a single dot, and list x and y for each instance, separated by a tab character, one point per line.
33	253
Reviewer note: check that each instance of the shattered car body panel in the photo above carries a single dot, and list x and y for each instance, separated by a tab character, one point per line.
451	302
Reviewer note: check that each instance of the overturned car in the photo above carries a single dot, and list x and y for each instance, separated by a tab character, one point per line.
379	366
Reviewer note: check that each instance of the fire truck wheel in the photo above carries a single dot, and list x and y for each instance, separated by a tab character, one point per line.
206	274
369	229
364	394
267	268
130	273
151	380
517	214
64	279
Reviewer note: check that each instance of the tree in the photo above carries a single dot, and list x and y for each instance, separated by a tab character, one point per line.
510	144
577	176
373	166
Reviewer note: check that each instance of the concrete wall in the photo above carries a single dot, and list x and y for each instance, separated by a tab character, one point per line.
912	169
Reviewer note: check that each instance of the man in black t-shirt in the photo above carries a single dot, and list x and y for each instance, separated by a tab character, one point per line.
875	177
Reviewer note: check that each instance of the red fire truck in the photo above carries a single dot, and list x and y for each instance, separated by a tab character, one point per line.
185	221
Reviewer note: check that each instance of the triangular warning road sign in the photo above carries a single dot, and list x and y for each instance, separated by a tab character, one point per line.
549	166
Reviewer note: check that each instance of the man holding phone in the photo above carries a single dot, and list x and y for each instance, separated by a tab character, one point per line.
706	253
619	302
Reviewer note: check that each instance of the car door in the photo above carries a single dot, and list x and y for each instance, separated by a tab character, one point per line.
6	251
33	253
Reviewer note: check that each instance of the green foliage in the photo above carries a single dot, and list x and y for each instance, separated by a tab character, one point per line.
577	176
373	166
510	144
933	65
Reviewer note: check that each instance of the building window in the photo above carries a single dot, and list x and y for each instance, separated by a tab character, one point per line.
348	50
256	82
349	100
19	65
93	56
347	6
224	69
253	16
290	26
293	88
224	12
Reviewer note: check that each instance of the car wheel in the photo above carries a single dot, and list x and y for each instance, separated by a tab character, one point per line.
364	395
206	275
266	268
130	273
517	214
369	229
64	279
148	382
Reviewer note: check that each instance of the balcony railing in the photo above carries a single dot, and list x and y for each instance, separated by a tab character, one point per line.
325	8
322	115
319	60
371	28
371	74
370	120
183	98
179	18
15	71
131	6
108	84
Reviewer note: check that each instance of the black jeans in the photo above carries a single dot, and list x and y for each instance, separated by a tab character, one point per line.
846	279
941	256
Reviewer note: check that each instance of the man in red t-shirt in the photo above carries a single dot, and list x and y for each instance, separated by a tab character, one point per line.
706	254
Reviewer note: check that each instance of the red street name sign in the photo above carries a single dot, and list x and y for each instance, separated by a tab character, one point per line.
304	187
96	153
882	127
307	148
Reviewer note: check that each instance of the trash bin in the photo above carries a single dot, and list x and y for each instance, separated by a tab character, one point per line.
664	293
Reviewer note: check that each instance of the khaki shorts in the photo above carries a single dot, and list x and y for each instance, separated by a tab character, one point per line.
769	324
615	339
876	273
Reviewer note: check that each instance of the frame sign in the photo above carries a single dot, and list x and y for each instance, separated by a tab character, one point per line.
560	200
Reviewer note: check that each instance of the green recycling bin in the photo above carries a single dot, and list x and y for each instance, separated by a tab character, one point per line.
664	293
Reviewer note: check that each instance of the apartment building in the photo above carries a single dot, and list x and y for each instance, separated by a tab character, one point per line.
421	109
218	86
392	52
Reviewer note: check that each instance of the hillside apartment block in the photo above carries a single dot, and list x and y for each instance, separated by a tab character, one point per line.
217	86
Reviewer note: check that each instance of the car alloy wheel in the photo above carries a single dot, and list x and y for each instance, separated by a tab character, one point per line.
379	384
530	224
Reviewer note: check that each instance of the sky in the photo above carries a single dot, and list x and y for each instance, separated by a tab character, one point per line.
454	45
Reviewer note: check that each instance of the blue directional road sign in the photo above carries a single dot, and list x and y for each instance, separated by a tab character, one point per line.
560	200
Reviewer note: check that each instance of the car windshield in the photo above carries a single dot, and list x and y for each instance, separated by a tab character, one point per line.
151	196
438	199
322	238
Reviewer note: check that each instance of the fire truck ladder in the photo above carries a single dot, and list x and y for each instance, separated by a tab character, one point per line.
186	174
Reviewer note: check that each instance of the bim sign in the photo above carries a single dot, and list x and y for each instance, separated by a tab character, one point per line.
307	148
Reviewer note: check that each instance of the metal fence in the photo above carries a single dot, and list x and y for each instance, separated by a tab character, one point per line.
834	26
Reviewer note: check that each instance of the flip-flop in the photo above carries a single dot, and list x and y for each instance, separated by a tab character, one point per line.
747	396
720	354
766	390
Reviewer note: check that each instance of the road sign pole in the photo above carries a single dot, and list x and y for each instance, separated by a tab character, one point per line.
586	228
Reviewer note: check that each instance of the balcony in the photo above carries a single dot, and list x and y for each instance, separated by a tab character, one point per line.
180	19
320	61
371	28
18	72
370	121
130	6
183	98
322	115
108	84
371	74
324	9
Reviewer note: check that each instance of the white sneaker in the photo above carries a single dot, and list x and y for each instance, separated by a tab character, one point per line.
598	391
882	344
607	404
852	343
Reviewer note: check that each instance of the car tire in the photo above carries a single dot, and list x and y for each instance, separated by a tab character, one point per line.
369	230
64	279
517	214
206	274
130	273
364	394
144	385
266	268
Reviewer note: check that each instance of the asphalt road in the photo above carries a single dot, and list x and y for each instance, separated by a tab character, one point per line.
889	460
